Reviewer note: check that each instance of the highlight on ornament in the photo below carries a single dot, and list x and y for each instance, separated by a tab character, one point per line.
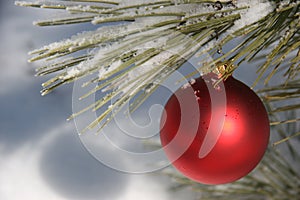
232	135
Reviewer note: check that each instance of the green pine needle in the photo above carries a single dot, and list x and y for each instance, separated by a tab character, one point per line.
174	24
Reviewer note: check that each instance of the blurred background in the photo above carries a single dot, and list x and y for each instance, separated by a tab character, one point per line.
41	156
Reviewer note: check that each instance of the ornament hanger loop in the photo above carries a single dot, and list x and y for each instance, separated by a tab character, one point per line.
224	69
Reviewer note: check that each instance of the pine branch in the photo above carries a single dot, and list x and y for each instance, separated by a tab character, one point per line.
154	38
280	99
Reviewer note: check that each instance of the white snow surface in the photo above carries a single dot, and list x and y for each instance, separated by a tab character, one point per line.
256	11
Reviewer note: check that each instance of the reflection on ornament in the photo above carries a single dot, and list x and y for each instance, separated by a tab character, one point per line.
232	134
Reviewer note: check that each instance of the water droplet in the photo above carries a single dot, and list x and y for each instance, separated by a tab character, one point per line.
196	92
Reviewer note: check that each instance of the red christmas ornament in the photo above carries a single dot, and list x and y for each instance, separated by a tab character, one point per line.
214	135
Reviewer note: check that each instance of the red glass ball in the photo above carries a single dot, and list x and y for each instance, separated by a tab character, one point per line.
214	135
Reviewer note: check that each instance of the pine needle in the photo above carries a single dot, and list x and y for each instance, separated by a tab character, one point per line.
119	51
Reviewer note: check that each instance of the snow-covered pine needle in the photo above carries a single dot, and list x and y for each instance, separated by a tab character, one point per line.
120	54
